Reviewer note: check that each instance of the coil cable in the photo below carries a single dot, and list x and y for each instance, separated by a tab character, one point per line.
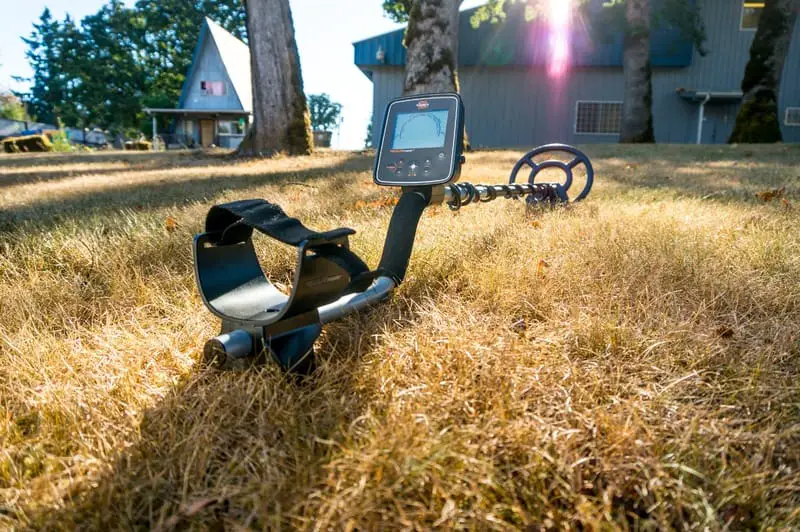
462	194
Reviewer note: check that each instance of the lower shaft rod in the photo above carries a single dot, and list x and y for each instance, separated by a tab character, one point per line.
461	194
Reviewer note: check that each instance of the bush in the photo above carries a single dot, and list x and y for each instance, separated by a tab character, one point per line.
60	140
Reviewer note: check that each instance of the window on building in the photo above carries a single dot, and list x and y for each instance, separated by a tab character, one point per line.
212	88
751	12
598	118
792	116
230	127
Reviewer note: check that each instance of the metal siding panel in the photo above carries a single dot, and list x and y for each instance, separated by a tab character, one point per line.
789	95
518	42
509	106
387	85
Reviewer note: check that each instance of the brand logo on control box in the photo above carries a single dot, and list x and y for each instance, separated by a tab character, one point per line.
423	104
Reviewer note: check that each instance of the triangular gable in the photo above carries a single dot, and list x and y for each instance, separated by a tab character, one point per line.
235	59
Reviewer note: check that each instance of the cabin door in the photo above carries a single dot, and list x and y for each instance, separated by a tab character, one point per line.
206	132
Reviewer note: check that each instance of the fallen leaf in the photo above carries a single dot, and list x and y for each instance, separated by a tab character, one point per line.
171	224
540	266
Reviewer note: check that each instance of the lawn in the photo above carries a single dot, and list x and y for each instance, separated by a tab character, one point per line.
632	362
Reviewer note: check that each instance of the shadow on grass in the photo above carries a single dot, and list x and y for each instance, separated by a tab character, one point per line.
720	173
233	447
46	214
29	168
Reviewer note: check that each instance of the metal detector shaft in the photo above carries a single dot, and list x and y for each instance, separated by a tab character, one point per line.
461	194
487	192
378	291
239	343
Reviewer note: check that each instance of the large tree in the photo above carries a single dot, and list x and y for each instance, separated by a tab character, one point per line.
111	71
637	106
431	43
281	120
757	120
49	97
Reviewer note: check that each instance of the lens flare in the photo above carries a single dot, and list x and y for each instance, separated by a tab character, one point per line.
558	21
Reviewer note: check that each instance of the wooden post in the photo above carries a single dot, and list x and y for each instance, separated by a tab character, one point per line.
155	136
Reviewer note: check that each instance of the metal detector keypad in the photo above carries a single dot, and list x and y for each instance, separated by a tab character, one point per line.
421	141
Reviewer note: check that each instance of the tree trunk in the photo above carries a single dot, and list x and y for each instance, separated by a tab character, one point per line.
280	113
432	47
637	108
757	120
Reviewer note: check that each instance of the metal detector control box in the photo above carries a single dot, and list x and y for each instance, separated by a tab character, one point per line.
421	141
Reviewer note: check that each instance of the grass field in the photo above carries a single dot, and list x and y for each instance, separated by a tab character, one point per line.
632	362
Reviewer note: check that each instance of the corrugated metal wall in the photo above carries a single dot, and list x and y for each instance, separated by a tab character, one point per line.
524	107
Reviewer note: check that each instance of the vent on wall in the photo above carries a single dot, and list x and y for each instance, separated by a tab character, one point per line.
598	118
792	116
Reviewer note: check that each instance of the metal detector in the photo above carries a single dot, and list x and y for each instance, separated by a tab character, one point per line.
420	151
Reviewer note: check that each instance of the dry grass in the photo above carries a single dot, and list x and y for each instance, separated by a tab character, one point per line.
631	363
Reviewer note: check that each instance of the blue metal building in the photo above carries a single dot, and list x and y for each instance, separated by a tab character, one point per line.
511	100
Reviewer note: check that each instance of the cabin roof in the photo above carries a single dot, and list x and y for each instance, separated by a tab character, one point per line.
235	56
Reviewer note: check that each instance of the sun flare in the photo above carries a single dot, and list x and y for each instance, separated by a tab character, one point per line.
558	14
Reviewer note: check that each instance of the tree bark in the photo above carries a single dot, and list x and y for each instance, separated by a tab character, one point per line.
280	114
757	119
637	107
432	47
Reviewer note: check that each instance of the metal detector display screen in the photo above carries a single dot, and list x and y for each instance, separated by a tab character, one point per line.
420	143
414	131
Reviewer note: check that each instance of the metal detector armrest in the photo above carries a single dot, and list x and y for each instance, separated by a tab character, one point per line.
234	288
233	285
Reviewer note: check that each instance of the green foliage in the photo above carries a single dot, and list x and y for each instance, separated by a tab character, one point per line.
368	142
117	60
60	140
324	112
11	108
397	10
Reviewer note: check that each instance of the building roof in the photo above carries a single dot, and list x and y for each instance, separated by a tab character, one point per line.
235	56
516	42
195	112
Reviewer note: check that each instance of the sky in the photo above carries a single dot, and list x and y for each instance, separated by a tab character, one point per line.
325	31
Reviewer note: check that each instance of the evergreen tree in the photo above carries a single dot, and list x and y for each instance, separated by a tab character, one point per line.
118	60
112	69
49	86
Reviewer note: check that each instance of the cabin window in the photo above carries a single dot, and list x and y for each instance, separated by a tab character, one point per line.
212	88
230	127
598	118
751	12
792	116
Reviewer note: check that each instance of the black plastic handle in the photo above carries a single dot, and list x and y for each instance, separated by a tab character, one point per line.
402	231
